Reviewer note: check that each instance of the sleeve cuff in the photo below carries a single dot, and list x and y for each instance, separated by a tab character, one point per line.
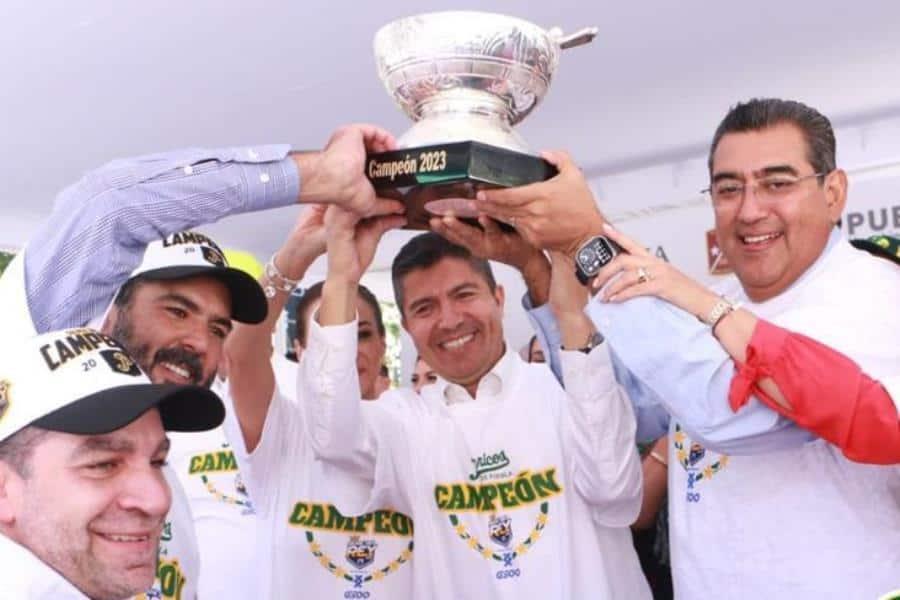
329	357
271	184
763	350
526	303
334	337
596	369
768	340
546	320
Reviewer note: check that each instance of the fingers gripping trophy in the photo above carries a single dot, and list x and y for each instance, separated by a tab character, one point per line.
465	78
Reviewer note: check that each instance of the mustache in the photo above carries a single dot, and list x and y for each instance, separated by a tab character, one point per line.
190	361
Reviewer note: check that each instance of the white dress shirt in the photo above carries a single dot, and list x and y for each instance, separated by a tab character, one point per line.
525	491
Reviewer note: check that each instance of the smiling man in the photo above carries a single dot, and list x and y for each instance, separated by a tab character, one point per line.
759	506
517	487
83	497
175	309
173	315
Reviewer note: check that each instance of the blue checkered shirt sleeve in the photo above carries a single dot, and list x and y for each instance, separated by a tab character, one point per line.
99	227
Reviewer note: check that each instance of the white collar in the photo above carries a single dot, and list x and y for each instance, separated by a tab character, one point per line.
33	578
492	385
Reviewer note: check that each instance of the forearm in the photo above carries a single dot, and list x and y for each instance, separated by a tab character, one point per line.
338	305
328	389
655	477
689	373
824	392
248	351
546	328
601	427
99	227
733	331
536	274
575	329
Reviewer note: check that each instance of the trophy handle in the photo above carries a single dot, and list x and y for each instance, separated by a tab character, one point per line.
579	38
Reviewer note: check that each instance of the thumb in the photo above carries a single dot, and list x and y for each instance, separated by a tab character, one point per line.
560	159
628	244
375	227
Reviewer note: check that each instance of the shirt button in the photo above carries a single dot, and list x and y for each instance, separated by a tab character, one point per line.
188	170
264	177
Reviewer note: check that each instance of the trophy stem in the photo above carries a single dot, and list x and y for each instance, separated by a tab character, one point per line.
464	101
462	116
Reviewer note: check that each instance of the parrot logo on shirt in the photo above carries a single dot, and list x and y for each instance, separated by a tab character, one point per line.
690	455
360	552
696	454
500	529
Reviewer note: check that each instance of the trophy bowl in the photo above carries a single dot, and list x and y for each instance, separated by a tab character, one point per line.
465	78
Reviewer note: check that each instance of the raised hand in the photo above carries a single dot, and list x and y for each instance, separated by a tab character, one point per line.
558	214
305	243
567	295
643	274
337	174
509	247
489	241
352	241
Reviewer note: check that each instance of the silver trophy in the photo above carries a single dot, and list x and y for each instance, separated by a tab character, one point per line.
465	78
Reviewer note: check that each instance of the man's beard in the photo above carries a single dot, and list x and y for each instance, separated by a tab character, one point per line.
123	332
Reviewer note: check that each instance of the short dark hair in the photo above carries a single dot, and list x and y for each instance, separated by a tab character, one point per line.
762	113
314	292
424	251
16	450
126	292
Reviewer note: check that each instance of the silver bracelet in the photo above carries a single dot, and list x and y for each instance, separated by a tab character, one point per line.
718	312
277	282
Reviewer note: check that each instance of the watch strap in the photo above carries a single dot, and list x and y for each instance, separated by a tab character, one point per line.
595	339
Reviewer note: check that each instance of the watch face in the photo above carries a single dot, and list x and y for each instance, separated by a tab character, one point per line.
585	256
594	255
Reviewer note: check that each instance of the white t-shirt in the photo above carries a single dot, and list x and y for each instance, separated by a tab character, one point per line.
178	569
26	577
312	547
807	522
526	492
224	518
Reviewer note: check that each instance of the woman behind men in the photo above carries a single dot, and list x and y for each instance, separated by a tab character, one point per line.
307	542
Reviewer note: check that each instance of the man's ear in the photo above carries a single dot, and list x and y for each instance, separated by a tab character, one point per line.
112	315
10	492
836	194
499	295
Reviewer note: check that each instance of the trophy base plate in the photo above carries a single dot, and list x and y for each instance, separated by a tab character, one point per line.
437	179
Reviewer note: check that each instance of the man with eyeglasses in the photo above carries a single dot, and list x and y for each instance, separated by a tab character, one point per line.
760	507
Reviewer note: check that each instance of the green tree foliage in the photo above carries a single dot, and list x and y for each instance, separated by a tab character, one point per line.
5	258
391	316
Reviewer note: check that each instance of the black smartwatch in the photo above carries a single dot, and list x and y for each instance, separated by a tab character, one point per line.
593	255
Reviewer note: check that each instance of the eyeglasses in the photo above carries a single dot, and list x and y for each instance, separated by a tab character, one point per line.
769	188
